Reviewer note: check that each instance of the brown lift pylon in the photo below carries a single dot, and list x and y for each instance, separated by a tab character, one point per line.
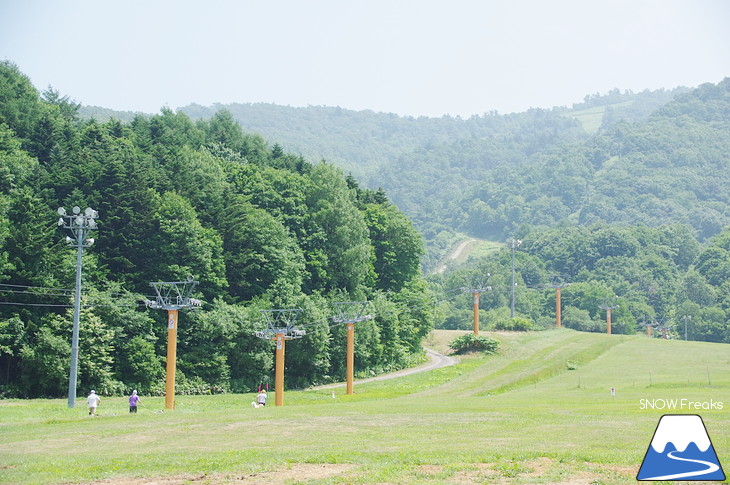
649	323
172	296
351	312
280	327
608	307
476	290
557	282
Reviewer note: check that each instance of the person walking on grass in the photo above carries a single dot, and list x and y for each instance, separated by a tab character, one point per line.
261	399
93	402
134	400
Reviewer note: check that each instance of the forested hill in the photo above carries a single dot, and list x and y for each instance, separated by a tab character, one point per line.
652	158
670	168
257	227
361	142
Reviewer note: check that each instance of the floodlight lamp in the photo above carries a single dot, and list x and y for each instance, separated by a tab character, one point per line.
76	209
92	223
69	240
88	211
61	211
90	241
79	220
60	221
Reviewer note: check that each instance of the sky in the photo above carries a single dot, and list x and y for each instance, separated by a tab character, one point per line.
412	58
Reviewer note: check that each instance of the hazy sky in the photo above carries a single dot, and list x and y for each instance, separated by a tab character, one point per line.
424	57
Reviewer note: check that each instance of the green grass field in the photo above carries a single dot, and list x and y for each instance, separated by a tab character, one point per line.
517	417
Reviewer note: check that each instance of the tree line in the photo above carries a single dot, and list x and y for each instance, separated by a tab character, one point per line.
257	227
660	276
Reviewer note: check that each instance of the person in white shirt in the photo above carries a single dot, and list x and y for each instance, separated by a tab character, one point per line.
261	398
93	402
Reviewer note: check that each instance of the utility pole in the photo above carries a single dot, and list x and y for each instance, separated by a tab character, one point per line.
514	244
172	296
686	318
475	290
79	224
557	282
608	307
351	312
280	328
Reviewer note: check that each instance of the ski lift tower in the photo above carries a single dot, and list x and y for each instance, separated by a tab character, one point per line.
649	323
351	312
514	244
558	282
606	305
664	327
172	296
280	327
475	290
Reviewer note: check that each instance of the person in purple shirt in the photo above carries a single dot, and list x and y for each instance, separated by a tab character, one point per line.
133	401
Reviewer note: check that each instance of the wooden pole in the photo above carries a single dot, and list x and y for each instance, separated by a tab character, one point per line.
350	357
476	313
558	316
171	358
279	378
608	321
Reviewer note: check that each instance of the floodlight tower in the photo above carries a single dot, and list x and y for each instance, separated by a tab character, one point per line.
475	290
558	282
514	244
172	296
79	224
280	327
608	307
351	312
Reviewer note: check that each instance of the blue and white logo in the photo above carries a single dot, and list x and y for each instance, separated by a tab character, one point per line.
681	450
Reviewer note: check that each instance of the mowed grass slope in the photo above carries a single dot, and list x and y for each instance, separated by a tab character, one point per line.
517	417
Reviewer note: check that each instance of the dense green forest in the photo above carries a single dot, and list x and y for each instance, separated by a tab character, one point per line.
624	199
487	175
654	275
258	228
625	196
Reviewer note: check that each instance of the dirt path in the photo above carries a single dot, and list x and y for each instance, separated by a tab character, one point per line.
435	361
453	255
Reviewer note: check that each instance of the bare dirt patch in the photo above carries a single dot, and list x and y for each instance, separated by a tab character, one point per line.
295	472
540	470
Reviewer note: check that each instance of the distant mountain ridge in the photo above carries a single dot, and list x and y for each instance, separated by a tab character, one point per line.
363	141
653	158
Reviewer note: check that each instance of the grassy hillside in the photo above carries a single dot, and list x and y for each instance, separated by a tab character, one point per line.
464	248
517	417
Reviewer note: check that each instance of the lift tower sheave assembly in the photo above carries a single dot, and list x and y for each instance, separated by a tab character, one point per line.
350	313
280	328
172	296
